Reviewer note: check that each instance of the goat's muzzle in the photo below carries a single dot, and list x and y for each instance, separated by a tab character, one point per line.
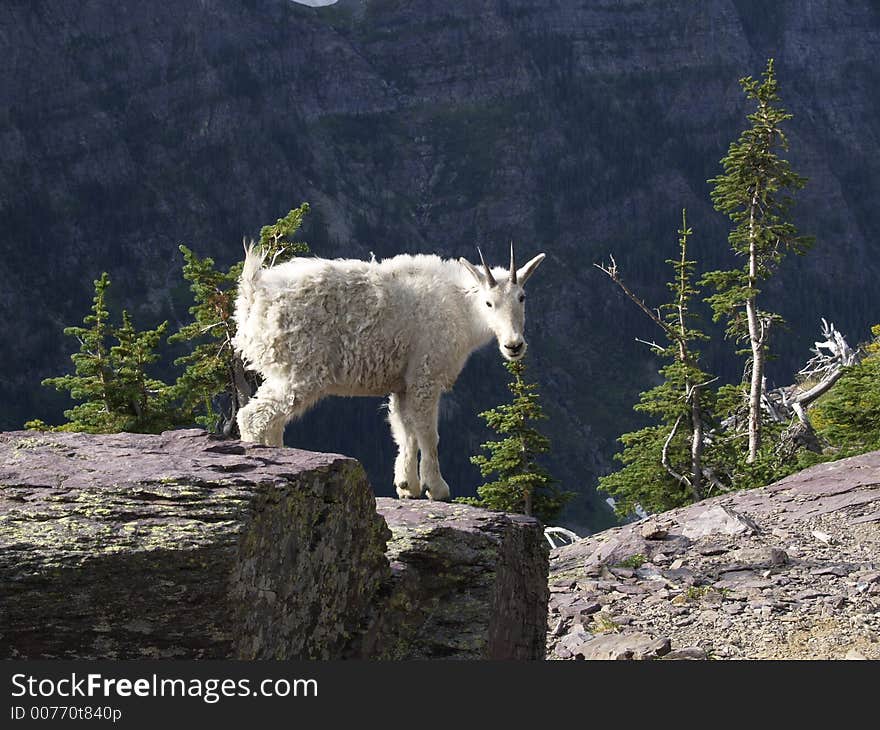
514	350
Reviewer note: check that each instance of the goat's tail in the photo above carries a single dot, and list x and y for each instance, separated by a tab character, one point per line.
245	299
253	263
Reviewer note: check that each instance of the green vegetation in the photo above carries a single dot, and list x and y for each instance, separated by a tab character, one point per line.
521	483
211	367
704	439
633	561
215	382
755	193
669	463
603	624
697	593
112	381
848	416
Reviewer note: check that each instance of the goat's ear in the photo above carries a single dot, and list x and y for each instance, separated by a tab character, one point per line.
526	271
474	271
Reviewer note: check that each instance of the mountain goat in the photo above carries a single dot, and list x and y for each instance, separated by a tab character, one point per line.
404	326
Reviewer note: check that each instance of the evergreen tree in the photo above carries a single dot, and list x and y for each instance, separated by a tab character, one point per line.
145	402
215	383
755	192
112	382
212	370
276	240
521	483
665	465
849	415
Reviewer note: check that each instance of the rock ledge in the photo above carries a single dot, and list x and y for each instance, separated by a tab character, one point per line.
789	571
185	545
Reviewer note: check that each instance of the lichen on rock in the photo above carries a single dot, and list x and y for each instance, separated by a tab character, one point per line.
183	545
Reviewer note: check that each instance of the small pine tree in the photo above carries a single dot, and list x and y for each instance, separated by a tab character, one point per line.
665	465
112	382
145	401
521	484
755	193
276	242
211	368
215	383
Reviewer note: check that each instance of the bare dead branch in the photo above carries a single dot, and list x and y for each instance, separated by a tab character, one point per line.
830	357
698	386
664	457
612	272
653	345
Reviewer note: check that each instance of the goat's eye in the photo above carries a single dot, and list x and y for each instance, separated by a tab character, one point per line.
522	297
489	304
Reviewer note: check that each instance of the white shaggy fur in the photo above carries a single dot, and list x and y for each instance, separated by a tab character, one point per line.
404	326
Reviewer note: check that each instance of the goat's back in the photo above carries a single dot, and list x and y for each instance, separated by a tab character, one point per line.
345	326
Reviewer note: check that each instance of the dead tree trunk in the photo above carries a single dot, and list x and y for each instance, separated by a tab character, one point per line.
756	341
817	377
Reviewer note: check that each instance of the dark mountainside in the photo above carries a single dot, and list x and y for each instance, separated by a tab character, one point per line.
578	128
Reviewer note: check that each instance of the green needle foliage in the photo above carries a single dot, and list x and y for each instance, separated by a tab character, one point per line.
211	366
112	382
276	240
848	416
147	402
671	462
521	484
754	191
215	383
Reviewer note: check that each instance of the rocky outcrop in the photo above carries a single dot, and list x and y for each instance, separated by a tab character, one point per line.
791	570
465	583
184	545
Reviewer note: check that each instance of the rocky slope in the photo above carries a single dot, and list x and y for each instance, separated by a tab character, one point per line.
579	128
182	545
789	571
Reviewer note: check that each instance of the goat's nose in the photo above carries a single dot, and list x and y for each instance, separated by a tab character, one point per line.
514	347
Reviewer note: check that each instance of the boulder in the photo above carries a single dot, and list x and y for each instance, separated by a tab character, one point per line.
181	545
184	545
466	583
718	520
623	646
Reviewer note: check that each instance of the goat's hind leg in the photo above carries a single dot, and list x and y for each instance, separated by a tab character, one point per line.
423	411
406	465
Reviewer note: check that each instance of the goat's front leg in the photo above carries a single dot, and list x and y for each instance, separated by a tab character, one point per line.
406	465
262	420
424	417
276	402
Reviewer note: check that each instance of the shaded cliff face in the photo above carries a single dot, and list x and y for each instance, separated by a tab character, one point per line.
577	128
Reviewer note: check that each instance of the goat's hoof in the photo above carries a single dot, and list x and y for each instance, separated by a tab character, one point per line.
439	494
403	491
